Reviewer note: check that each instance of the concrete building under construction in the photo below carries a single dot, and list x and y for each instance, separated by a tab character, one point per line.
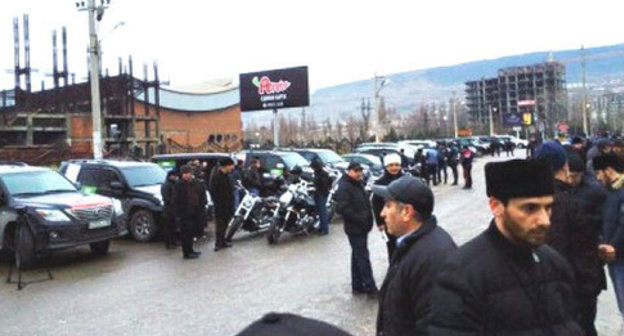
535	94
139	117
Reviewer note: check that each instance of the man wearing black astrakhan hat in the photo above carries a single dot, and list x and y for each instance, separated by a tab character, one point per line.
506	281
189	198
421	249
222	192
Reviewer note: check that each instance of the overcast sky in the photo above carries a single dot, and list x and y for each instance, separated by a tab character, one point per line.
340	41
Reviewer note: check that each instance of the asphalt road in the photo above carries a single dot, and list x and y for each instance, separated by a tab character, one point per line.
144	289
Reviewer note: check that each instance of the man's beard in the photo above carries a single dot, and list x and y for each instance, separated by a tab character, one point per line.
532	237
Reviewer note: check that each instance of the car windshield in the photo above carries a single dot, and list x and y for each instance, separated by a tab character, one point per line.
37	183
294	159
329	157
144	175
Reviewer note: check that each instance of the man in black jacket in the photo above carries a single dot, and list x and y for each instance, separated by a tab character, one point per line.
322	185
189	199
166	192
252	177
506	281
422	248
393	171
221	190
353	204
572	235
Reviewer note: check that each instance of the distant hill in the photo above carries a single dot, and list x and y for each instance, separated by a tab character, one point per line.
408	89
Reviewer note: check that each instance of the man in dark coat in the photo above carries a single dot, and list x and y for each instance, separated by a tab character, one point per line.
452	159
609	171
221	190
467	156
166	192
506	281
421	158
189	199
392	172
353	204
322	185
572	235
423	247
252	177
442	154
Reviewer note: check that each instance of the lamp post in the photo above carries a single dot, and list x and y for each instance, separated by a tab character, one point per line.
95	13
378	87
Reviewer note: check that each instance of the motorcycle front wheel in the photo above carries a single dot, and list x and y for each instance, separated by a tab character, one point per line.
233	226
274	231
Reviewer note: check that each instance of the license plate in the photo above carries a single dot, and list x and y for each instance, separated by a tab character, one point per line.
99	224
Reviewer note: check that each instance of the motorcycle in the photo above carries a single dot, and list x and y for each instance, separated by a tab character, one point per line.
253	214
294	213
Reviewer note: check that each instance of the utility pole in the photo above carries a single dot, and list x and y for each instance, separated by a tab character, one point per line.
584	95
94	73
454	116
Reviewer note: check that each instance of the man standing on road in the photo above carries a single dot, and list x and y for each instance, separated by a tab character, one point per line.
506	281
442	154
353	204
571	233
421	158
467	156
453	159
392	172
221	190
189	199
166	192
609	171
432	165
423	247
322	185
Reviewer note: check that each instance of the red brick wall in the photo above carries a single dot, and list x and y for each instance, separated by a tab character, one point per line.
194	128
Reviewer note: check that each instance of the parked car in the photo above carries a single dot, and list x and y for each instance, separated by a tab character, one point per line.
174	161
330	160
519	143
135	184
372	161
59	215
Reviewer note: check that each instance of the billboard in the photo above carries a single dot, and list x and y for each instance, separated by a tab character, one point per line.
273	89
512	119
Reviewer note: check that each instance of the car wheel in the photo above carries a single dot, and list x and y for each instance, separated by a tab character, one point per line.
274	231
24	248
233	226
100	248
143	227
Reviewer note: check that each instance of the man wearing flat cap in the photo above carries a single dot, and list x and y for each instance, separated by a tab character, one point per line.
189	198
506	281
422	248
222	192
572	234
609	171
353	204
284	324
393	171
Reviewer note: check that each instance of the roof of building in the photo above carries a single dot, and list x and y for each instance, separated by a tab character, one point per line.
206	96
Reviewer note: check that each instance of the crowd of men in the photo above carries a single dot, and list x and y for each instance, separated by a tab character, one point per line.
558	219
432	164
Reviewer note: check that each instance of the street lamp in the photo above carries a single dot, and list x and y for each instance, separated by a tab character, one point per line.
95	13
378	87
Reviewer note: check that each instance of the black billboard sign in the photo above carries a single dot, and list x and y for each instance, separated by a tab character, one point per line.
273	89
512	119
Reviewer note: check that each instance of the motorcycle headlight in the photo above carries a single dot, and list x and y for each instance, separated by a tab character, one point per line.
247	203
117	208
53	215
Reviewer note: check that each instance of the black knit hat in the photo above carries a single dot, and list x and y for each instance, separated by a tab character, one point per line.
605	161
519	179
226	162
575	162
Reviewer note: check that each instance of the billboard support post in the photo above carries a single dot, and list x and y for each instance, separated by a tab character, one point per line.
276	130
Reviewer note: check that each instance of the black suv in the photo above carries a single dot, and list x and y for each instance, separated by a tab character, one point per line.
135	184
175	161
277	164
40	210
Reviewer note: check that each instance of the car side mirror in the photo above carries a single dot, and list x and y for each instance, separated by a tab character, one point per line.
78	185
116	185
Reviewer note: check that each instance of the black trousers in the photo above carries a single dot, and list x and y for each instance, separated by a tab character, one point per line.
454	170
442	171
432	169
587	312
221	224
188	228
361	270
468	176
